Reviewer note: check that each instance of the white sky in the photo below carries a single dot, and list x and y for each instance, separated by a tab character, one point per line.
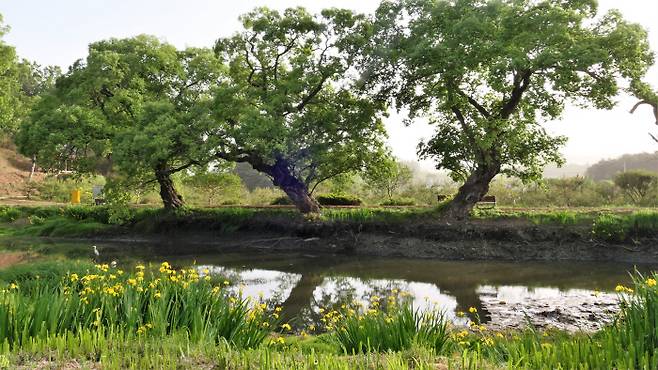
58	32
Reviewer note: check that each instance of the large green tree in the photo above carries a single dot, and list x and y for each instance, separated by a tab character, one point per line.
139	103
9	85
287	106
487	73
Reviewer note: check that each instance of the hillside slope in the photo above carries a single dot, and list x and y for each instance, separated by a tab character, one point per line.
14	171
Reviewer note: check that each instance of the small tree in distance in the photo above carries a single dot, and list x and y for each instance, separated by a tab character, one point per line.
388	177
636	183
213	184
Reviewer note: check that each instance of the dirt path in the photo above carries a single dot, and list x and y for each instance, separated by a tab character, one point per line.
11	258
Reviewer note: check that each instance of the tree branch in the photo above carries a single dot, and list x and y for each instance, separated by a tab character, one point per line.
521	83
475	104
312	94
652	104
180	168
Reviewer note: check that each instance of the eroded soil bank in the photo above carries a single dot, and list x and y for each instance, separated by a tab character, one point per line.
481	240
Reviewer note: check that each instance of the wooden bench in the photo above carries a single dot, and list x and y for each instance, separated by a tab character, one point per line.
489	201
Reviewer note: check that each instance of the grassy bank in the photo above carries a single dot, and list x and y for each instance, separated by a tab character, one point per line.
610	225
161	317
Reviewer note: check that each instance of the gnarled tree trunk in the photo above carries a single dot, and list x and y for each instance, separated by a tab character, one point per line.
282	178
170	197
475	187
296	190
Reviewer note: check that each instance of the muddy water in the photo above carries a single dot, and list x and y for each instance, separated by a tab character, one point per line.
567	295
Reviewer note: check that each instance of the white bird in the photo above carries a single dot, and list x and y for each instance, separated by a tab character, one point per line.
113	264
95	251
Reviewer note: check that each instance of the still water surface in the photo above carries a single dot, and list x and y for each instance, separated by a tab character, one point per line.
569	295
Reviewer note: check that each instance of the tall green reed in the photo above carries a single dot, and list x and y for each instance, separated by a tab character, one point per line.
141	302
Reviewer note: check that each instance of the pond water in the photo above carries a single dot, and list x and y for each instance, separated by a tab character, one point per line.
567	295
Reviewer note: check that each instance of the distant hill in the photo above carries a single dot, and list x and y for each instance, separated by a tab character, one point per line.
607	169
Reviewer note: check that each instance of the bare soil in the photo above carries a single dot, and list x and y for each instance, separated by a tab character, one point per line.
14	172
11	258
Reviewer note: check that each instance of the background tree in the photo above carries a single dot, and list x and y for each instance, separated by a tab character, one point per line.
9	86
34	81
568	188
214	183
137	102
287	106
636	183
388	177
486	73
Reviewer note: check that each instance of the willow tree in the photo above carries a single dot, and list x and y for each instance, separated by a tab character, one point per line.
138	103
287	105
487	73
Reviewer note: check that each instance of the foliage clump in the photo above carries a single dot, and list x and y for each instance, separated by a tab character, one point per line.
338	200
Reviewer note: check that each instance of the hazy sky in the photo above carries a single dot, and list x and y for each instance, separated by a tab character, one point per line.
58	32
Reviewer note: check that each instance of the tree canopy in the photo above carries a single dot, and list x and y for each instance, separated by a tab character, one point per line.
287	106
9	86
388	177
636	183
487	73
139	103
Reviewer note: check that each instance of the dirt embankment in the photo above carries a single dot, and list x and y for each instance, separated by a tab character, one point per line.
481	240
14	171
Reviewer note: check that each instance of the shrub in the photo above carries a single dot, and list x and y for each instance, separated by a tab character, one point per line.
9	214
610	227
399	202
35	220
338	200
59	189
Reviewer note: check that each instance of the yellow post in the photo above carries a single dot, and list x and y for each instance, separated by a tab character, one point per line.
75	196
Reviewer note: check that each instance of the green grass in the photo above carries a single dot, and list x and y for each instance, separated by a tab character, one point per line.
84	221
116	350
62	313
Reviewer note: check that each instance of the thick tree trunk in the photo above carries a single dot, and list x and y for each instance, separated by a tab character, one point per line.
170	197
296	190
475	187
